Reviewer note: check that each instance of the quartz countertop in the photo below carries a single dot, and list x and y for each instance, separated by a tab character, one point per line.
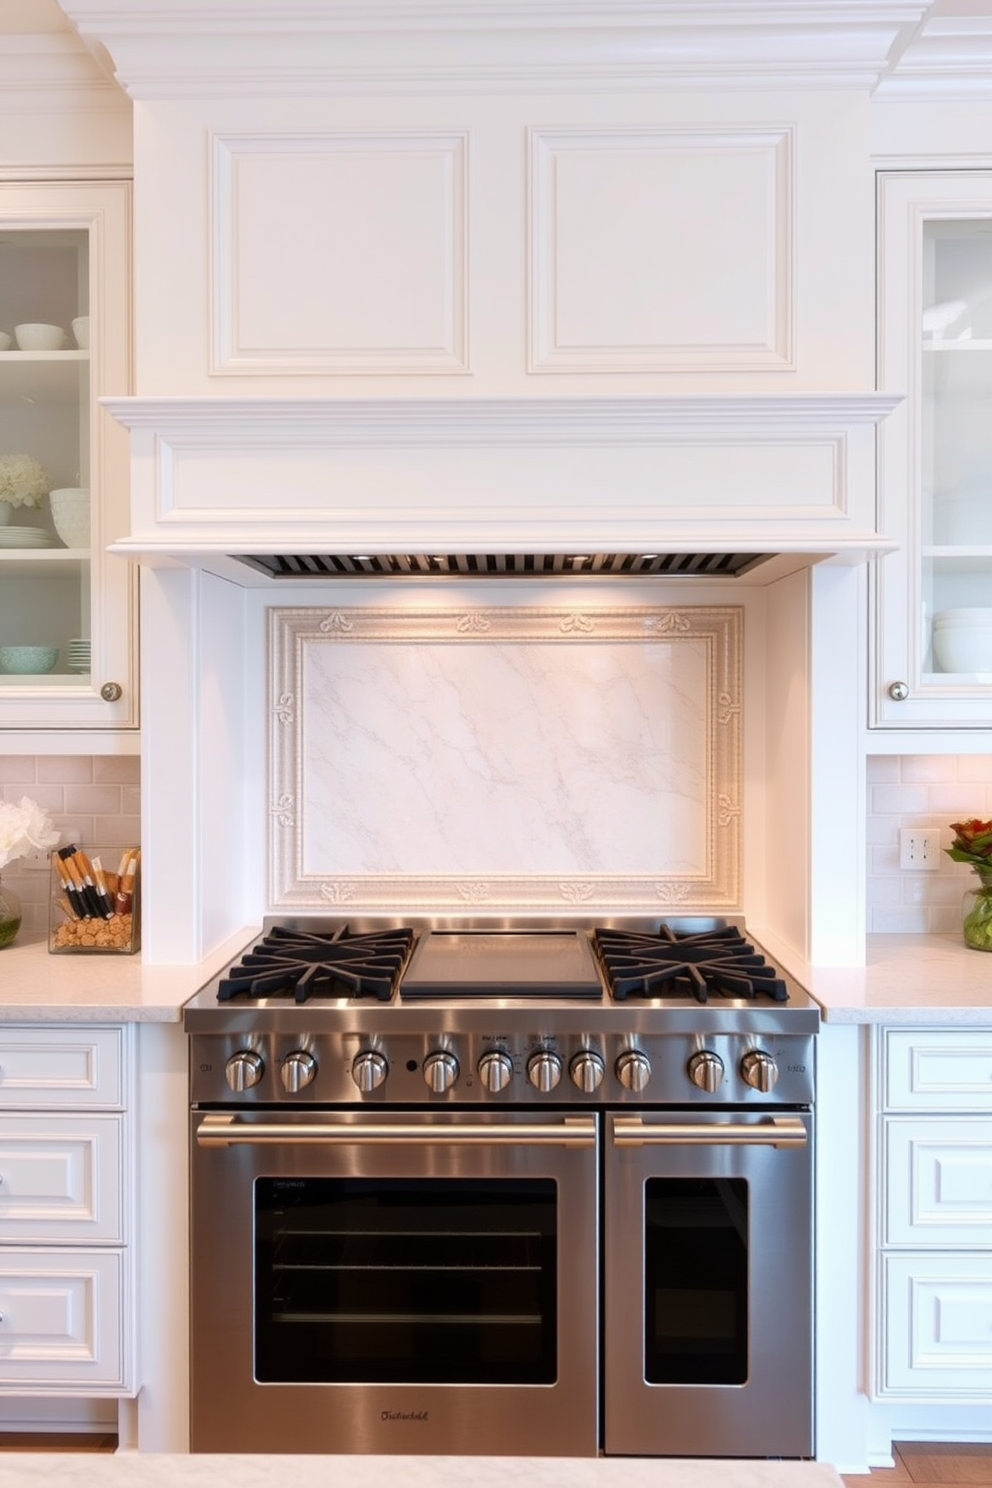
38	987
141	1470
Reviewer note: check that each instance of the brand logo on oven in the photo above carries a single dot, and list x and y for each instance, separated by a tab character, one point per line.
388	1415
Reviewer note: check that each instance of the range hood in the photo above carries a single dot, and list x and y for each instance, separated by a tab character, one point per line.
743	487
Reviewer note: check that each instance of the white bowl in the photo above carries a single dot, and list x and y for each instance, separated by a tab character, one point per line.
28	659
963	648
71	514
81	331
35	336
966	617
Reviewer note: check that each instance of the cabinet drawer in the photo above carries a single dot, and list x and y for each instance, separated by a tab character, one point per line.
940	1070
61	1067
61	1319
938	1182
60	1178
937	1314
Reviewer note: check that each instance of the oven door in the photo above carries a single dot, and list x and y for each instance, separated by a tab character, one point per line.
708	1284
394	1282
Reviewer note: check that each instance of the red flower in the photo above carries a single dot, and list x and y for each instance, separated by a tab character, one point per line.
972	843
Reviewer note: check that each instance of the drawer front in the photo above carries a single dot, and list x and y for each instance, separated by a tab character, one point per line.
938	1070
938	1182
60	1178
937	1320
61	1320
61	1066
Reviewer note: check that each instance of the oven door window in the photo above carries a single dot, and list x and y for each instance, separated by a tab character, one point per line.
416	1281
696	1276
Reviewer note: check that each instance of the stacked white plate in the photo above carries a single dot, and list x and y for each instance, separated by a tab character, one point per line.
962	640
25	537
78	654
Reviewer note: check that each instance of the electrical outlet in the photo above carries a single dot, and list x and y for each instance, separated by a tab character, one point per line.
919	849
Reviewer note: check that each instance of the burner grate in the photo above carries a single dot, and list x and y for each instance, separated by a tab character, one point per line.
716	962
306	963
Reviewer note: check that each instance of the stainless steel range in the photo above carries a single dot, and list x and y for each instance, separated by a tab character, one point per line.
502	1189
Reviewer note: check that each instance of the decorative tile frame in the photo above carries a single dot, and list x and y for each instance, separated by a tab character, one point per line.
345	744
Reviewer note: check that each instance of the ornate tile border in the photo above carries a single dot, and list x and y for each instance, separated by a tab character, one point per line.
303	751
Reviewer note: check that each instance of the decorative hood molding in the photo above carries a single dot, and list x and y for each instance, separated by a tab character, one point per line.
219	477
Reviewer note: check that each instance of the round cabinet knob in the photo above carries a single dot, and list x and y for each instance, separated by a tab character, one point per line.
759	1070
544	1070
298	1070
440	1071
244	1069
706	1070
633	1070
495	1070
111	692
898	691
369	1071
587	1070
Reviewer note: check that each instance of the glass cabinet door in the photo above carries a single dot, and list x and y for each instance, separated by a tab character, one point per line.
933	651
66	605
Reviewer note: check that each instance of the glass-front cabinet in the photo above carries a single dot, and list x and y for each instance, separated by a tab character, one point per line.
67	606
932	648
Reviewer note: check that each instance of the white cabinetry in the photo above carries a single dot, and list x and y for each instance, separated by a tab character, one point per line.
64	1211
933	1243
65	254
935	345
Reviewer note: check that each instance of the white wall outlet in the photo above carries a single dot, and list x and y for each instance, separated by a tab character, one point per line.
919	849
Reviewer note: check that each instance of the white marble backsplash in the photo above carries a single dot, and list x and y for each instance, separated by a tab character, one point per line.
526	757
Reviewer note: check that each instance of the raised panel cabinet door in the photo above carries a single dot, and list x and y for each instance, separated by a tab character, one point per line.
938	1182
60	1178
61	1066
61	1320
937	1069
938	1322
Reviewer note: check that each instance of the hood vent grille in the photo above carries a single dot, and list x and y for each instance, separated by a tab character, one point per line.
502	565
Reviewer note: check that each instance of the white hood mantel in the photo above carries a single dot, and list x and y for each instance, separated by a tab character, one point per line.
222	478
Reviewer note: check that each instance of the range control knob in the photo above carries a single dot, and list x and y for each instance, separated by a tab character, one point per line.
706	1070
544	1070
369	1070
587	1070
759	1070
440	1071
298	1070
633	1070
495	1070
244	1069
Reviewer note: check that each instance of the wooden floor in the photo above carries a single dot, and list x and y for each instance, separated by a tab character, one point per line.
932	1465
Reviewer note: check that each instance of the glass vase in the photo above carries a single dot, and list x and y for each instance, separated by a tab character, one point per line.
977	914
10	914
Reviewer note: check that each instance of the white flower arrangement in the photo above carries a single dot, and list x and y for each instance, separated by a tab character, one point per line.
23	482
24	829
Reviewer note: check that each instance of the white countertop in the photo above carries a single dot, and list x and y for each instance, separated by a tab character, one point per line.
141	1470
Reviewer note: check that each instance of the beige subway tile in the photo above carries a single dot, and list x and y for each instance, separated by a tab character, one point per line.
94	800
925	769
17	769
65	769
116	769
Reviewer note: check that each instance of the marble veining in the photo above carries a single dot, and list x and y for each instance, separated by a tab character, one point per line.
517	756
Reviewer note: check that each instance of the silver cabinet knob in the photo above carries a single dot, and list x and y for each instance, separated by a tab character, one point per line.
369	1070
298	1070
544	1070
633	1070
706	1070
111	692
495	1070
898	691
759	1070
244	1069
440	1071
587	1070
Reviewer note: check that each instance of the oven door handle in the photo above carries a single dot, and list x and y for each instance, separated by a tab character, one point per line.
776	1131
228	1131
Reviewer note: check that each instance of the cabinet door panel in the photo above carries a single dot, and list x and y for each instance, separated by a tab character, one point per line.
60	1178
938	1312
61	1320
938	1182
938	1070
61	1067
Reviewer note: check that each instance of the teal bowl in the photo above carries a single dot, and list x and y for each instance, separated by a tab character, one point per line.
28	659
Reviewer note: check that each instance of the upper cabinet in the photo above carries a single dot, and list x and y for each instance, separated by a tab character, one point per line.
67	607
932	649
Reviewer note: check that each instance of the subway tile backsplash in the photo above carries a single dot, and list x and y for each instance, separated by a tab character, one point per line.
920	791
93	799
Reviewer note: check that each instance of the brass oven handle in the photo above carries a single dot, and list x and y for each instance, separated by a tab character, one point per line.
228	1131
777	1131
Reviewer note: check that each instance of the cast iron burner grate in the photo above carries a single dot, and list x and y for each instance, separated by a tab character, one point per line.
311	963
716	962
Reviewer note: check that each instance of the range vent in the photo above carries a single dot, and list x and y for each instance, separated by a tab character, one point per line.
501	565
